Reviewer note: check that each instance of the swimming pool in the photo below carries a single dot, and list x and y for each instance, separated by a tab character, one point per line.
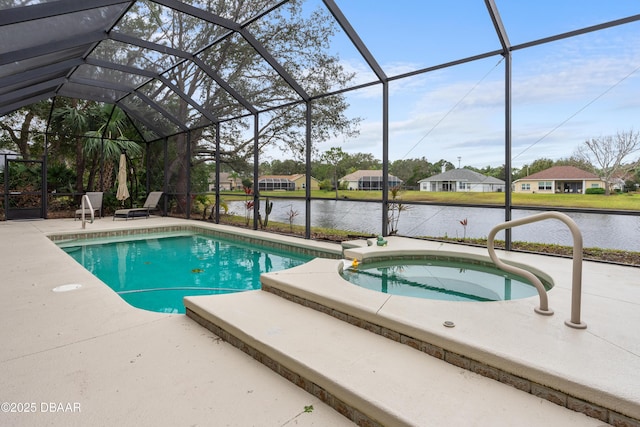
154	272
441	279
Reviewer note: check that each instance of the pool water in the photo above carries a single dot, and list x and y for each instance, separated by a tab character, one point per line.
155	273
441	280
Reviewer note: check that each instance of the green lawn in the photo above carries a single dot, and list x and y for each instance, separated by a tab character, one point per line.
624	201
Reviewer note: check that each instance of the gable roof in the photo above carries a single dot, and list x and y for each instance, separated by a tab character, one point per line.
465	175
285	177
562	172
293	177
297	176
226	177
366	173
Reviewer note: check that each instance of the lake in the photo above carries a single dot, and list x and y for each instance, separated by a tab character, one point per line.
598	230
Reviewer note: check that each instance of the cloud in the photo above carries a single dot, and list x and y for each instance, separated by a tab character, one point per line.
563	93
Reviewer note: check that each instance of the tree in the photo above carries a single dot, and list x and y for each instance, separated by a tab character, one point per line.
17	128
574	161
440	166
537	166
96	134
296	38
286	167
410	171
610	153
496	172
321	171
333	157
107	142
69	122
360	161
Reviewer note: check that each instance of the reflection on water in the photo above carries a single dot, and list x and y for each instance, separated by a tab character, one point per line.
598	230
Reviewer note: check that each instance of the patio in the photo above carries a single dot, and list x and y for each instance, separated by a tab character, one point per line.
125	366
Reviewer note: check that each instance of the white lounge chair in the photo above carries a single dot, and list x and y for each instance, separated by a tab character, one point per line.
95	198
150	204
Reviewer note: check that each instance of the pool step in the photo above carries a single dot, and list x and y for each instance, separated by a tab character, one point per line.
372	380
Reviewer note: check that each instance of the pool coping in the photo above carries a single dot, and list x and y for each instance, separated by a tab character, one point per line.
275	241
611	395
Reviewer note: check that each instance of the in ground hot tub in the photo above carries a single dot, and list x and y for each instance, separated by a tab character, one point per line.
447	279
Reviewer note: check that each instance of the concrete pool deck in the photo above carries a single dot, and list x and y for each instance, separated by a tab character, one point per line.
123	366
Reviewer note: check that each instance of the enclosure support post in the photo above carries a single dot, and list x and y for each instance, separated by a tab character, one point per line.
507	149
165	182
217	207
256	164
188	160
307	179
385	158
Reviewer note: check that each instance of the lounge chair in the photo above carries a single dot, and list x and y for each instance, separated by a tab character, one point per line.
95	198
150	204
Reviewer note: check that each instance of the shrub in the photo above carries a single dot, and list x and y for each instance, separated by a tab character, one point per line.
594	191
326	185
60	178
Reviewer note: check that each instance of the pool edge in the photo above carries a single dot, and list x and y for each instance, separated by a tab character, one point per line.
374	317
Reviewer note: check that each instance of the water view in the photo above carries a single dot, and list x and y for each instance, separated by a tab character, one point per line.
598	230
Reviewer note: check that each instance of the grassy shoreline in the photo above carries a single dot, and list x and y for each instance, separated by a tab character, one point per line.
616	201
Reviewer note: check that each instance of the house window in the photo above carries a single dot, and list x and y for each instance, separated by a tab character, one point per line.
544	185
526	187
595	185
463	185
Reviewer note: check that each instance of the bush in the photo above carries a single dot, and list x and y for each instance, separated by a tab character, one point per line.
326	185
594	191
60	178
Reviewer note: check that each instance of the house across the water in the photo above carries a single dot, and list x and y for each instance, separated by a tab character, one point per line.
368	180
286	182
461	180
558	179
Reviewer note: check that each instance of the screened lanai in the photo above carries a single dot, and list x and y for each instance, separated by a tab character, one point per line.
229	83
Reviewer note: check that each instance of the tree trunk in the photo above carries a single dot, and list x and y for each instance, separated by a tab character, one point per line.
80	166
23	140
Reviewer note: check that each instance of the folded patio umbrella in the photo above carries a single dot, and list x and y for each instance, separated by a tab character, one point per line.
123	192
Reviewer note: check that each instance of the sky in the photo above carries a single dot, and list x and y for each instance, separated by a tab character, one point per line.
563	93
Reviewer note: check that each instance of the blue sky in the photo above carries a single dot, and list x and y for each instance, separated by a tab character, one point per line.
564	92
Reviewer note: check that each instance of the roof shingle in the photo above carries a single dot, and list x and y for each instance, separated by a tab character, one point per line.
562	172
463	174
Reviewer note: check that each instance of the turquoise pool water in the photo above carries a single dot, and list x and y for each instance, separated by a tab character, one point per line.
447	280
156	272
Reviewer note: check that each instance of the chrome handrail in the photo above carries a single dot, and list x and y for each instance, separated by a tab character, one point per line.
82	206
576	287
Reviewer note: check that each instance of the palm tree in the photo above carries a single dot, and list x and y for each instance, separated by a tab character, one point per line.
107	142
71	119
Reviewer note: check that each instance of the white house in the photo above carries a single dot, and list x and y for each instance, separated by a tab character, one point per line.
461	180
